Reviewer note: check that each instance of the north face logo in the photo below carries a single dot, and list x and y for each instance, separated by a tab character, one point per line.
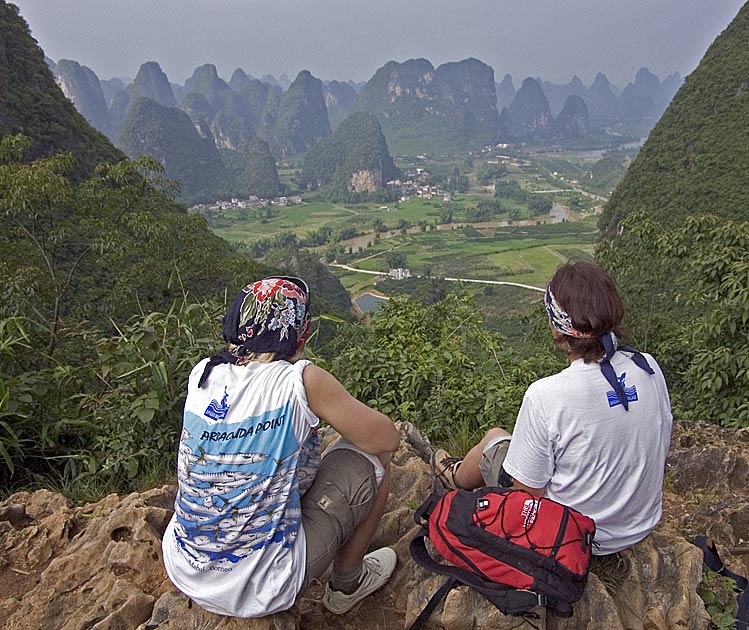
530	510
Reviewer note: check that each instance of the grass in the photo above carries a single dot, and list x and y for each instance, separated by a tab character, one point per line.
529	255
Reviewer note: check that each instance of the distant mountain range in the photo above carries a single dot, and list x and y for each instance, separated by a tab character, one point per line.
453	108
458	101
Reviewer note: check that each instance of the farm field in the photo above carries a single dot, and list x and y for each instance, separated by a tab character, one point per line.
299	220
412	231
528	255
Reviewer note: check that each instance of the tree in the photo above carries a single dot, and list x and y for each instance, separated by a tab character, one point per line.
687	292
487	174
452	179
539	204
446	215
438	367
396	260
79	260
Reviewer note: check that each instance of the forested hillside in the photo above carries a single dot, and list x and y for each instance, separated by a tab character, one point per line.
111	291
32	104
420	108
696	159
167	134
355	158
677	236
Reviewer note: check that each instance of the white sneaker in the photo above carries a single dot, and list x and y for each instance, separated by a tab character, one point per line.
378	567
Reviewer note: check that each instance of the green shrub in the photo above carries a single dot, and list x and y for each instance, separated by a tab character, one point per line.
438	367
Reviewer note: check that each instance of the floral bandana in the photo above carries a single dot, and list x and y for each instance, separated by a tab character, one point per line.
562	322
269	315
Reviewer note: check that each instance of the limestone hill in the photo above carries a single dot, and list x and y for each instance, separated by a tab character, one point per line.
167	134
355	158
31	103
423	109
696	159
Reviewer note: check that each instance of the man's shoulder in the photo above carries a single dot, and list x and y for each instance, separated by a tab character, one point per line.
552	383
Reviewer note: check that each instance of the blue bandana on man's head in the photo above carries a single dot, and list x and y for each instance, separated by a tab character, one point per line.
562	322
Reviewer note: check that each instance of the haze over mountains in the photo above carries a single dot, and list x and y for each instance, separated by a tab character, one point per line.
453	108
460	99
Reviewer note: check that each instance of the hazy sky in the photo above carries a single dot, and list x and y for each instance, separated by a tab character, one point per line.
350	39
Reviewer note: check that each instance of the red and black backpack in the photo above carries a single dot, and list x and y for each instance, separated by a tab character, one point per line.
517	550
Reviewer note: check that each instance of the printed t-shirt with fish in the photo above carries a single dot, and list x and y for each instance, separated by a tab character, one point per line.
248	452
574	437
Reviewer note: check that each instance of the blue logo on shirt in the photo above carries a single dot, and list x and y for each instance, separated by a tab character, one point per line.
216	410
629	392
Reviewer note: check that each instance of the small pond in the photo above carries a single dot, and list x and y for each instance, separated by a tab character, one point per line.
369	302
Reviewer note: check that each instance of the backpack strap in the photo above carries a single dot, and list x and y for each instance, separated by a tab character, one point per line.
432	603
424	511
714	563
510	601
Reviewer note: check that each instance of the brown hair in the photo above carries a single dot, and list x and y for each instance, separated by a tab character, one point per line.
588	294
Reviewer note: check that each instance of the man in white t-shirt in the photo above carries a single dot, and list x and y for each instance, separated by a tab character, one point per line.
594	436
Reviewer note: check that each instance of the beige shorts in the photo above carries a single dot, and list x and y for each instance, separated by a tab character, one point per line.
491	462
339	498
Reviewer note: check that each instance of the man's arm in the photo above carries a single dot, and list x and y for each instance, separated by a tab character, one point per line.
530	457
370	430
536	492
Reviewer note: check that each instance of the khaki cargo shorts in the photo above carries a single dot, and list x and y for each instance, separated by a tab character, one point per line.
491	462
339	498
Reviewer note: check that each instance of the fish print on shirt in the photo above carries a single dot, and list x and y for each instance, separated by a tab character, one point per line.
239	490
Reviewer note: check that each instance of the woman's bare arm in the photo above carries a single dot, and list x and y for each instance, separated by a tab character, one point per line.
370	430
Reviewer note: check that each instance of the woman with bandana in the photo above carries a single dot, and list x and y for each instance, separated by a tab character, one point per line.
594	436
258	513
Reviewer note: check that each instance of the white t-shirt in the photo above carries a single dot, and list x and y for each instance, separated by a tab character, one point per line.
575	438
248	451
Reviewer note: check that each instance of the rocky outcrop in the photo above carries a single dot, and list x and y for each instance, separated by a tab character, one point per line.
99	566
572	122
601	100
422	109
110	87
239	80
505	92
339	100
168	134
262	101
302	117
529	115
354	158
81	85
229	119
151	82
558	93
638	100
365	181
